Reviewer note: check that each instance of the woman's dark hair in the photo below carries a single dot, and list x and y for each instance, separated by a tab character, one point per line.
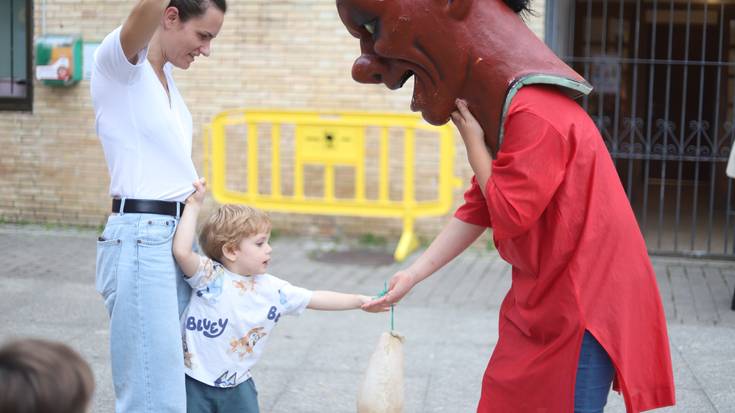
194	8
43	376
521	7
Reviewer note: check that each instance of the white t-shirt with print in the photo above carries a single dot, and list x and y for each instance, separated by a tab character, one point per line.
229	320
146	135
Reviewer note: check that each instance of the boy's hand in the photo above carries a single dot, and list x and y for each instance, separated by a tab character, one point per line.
400	284
364	299
187	259
200	190
468	127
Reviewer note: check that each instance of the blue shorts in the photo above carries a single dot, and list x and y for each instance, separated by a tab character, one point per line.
202	398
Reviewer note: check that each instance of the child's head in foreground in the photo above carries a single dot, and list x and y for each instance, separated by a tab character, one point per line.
43	376
237	237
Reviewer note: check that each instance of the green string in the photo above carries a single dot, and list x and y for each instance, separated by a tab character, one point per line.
382	293
385	284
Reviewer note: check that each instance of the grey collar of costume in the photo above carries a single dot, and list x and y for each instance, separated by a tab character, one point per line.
573	88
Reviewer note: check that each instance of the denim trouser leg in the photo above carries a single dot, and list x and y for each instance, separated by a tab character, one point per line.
595	374
144	293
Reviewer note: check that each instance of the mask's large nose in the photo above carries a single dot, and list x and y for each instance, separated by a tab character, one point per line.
368	69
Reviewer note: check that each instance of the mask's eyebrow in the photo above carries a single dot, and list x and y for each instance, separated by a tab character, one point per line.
353	18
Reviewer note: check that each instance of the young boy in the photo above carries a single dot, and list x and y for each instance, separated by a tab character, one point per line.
234	303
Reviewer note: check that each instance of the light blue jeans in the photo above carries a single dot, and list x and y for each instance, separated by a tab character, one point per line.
144	292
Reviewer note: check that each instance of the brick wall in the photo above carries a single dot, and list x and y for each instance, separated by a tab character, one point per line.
272	54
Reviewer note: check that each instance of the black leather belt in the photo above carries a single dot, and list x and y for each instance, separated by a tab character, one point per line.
149	206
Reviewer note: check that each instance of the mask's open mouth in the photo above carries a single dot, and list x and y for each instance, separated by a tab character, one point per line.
404	79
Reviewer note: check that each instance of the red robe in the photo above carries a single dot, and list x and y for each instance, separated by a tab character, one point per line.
560	217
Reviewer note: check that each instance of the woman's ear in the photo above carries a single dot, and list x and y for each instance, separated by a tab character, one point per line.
170	17
458	9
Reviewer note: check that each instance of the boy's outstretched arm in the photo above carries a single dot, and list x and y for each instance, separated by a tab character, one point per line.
187	259
331	301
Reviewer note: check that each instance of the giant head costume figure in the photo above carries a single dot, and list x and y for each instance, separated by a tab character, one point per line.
478	50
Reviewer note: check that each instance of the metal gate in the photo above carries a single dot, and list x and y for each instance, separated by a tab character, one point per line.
664	83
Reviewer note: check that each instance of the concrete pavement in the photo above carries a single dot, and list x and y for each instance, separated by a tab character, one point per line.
315	362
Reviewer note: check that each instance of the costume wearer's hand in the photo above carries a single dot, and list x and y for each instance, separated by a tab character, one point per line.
400	284
474	140
468	126
200	190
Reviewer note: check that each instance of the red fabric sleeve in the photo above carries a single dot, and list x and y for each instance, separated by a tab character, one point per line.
474	210
527	172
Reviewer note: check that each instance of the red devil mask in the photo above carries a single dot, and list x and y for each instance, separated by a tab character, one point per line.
478	50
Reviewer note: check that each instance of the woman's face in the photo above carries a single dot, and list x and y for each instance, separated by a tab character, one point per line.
184	41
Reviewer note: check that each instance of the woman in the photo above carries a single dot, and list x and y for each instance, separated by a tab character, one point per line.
146	133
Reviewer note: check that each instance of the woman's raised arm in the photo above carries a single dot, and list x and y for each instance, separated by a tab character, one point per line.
140	26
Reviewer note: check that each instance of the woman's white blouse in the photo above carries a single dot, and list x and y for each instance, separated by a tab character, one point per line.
145	136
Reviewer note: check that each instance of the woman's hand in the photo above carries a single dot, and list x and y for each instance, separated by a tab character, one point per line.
400	284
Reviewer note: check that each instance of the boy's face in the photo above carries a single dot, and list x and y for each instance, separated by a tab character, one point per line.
252	255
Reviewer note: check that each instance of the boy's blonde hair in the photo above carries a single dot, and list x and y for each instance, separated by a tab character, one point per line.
229	225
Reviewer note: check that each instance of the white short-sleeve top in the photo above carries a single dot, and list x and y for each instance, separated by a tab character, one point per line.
146	136
229	321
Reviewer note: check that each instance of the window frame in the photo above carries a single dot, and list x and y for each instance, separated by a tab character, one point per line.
25	103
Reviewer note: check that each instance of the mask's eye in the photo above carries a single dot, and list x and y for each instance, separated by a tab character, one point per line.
370	27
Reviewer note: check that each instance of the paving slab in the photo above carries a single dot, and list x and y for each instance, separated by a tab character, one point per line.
315	362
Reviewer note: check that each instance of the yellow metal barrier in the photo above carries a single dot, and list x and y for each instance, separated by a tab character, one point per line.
329	140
